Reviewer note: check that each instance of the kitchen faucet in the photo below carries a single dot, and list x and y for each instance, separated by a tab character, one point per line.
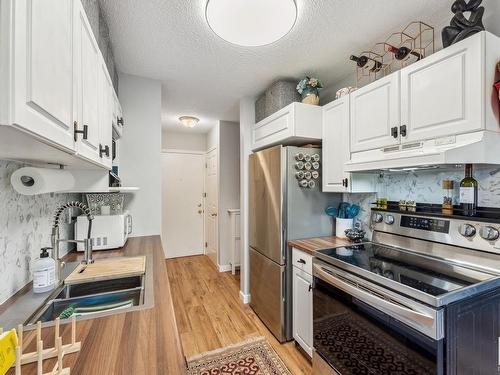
87	243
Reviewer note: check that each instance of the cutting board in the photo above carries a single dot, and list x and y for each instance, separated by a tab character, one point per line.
111	268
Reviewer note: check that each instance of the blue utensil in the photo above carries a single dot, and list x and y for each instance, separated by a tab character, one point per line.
353	211
332	211
343	206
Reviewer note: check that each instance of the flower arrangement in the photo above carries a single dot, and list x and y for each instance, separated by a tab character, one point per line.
309	89
309	83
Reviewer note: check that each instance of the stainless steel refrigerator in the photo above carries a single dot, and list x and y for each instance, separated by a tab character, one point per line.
282	209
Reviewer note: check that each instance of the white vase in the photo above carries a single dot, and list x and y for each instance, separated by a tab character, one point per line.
341	225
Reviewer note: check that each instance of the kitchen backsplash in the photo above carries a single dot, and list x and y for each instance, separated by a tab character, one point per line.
425	187
25	227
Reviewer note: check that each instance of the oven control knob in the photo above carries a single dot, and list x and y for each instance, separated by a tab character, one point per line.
377	218
389	219
489	233
467	230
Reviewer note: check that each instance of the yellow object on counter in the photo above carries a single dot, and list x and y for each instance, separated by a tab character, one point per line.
8	343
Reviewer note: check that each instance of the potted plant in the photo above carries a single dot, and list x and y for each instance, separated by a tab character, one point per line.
309	88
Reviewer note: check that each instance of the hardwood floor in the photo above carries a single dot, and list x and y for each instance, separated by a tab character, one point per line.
210	314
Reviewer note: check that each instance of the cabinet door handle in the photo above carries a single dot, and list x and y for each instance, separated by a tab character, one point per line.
119	121
345	182
310	287
394	132
301	261
402	130
76	131
103	150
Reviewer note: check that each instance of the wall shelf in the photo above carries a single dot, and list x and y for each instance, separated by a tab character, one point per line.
123	189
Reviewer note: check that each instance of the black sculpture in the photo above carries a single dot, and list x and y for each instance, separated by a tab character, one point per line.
460	26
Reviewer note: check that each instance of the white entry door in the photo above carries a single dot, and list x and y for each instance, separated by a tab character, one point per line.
183	187
212	206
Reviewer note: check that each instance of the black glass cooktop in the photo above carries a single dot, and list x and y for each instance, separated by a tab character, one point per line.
428	275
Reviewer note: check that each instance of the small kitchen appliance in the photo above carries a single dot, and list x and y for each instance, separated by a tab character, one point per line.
108	231
423	297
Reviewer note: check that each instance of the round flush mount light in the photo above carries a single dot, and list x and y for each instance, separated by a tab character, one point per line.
251	23
189	121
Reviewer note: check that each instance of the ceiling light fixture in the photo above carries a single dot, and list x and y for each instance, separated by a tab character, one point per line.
251	23
189	121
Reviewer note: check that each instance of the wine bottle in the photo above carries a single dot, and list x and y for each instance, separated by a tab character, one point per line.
468	192
367	62
402	53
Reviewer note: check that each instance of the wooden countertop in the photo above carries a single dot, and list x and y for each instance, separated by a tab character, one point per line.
310	245
138	342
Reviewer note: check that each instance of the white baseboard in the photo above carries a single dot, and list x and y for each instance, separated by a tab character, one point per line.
245	298
224	268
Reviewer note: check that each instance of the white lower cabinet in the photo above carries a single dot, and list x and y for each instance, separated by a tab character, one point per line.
303	309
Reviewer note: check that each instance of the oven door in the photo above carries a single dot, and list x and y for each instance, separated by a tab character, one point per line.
362	328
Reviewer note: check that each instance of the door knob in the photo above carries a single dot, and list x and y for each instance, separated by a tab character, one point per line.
199	205
200	211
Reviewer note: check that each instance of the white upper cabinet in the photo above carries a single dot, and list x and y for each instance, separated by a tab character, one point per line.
336	145
443	94
55	104
106	106
87	87
375	114
42	55
336	152
297	123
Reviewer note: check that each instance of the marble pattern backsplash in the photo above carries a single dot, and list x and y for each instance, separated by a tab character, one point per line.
425	187
25	227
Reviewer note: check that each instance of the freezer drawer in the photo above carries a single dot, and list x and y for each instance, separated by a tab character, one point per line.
266	287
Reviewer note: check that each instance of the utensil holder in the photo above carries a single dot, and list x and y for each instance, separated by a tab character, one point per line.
341	225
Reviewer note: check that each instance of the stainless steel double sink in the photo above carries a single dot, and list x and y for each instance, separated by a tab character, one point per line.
98	298
93	298
86	300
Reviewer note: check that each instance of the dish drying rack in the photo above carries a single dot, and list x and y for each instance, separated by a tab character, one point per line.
58	351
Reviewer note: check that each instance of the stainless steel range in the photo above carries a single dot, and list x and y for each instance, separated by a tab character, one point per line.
422	298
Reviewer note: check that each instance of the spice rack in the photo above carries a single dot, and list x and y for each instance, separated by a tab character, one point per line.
58	351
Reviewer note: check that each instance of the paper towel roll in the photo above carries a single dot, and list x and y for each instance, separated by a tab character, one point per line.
33	181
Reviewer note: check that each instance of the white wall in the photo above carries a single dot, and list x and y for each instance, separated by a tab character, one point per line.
213	138
247	119
172	140
140	151
229	184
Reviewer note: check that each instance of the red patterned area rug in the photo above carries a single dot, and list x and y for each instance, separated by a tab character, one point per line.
253	357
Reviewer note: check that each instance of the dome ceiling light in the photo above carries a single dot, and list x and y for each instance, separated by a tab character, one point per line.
189	121
251	23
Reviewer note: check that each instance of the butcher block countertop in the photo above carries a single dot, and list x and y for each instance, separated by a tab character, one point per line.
310	245
136	342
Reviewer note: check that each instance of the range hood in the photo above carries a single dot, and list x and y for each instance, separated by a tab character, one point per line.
475	148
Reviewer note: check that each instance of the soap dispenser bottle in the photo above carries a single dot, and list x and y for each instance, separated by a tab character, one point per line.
44	272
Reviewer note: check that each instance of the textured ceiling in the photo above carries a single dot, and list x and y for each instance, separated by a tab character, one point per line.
204	76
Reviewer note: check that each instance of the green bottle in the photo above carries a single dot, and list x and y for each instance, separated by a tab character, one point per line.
468	193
